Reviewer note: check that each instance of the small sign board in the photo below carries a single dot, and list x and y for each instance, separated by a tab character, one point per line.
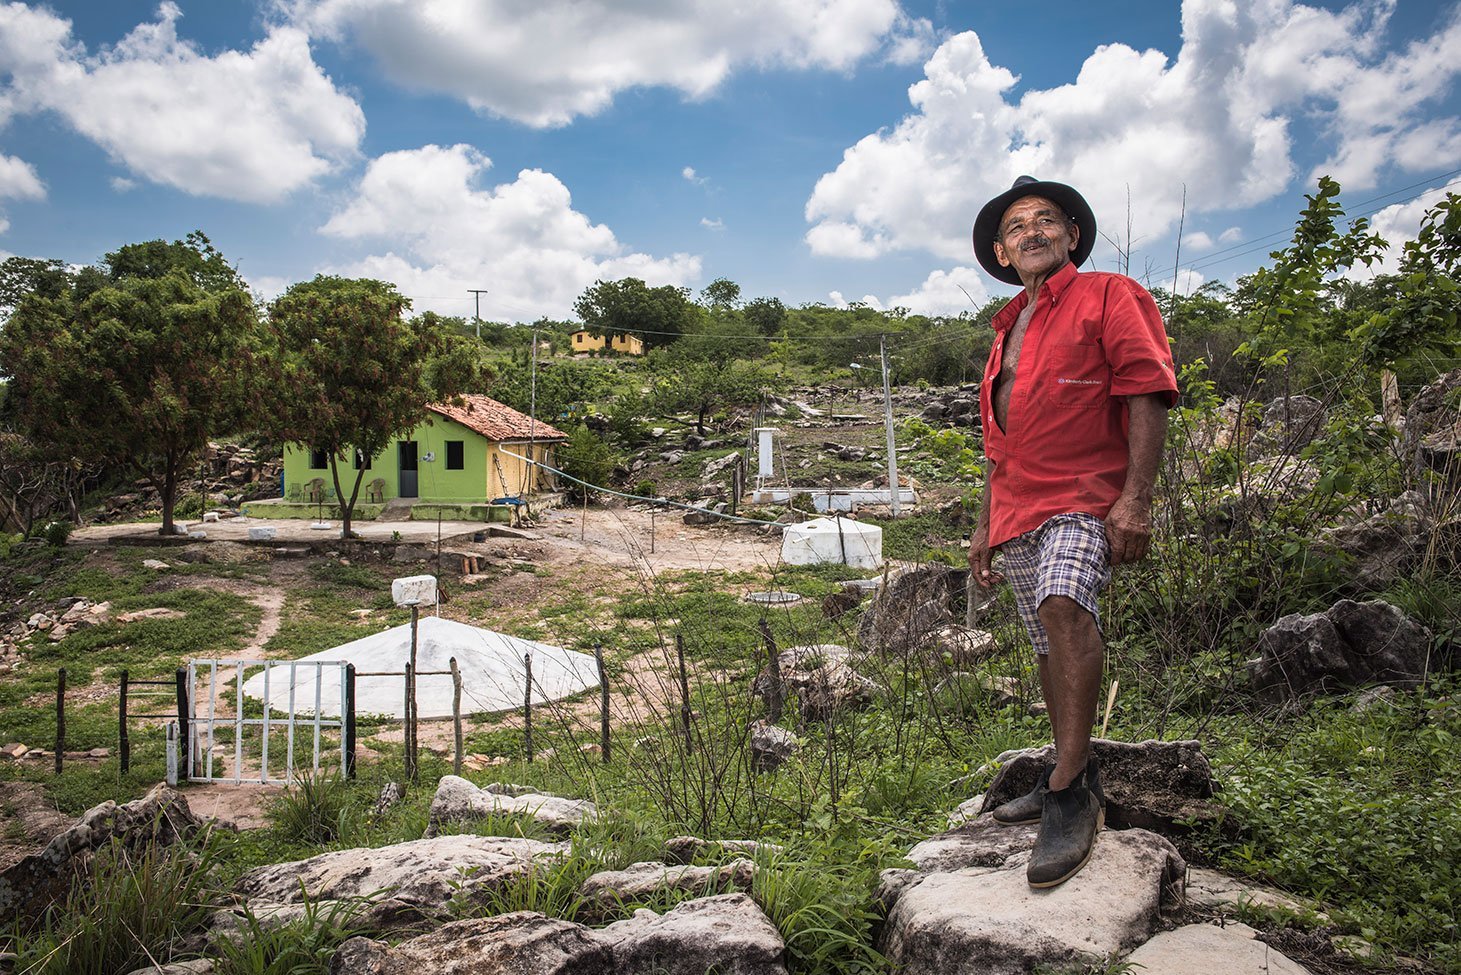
413	590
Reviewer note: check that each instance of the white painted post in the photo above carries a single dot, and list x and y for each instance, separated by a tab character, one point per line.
172	753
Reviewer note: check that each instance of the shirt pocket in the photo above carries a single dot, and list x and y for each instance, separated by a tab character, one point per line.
1080	377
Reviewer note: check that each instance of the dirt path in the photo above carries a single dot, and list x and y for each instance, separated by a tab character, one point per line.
655	541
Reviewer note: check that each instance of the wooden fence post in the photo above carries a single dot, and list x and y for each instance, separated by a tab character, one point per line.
185	753
60	716
349	730
528	703
410	746
603	703
775	693
456	717
684	688
124	746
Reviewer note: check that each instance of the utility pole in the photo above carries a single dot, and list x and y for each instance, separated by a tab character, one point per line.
477	315
893	488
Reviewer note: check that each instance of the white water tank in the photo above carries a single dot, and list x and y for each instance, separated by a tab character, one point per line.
838	541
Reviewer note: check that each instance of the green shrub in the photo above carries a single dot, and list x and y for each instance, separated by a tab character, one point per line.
56	532
132	908
317	808
304	946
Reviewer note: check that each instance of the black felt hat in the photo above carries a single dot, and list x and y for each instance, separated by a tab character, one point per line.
986	225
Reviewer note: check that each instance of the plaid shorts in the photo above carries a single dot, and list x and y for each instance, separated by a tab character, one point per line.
1066	556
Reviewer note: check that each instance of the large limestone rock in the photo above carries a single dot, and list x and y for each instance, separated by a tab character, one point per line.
1433	429
1382	548
968	909
160	818
521	943
771	746
1207	949
639	881
198	966
1349	645
726	934
1289	424
913	606
1155	785
1209	890
459	801
822	677
400	886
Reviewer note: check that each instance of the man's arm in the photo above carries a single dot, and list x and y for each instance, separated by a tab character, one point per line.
1129	523
980	557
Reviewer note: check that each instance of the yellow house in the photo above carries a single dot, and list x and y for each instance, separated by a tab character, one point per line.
584	341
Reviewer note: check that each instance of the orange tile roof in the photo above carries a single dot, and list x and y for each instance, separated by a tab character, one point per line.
496	421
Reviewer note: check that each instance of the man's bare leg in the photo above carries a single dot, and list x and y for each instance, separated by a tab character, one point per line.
1047	692
1071	681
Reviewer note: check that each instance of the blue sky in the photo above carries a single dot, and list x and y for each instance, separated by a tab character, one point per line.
812	150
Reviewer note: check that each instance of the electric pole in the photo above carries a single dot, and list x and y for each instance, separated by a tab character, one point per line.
893	489
477	315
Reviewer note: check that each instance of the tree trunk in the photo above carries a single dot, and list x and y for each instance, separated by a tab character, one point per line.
700	421
169	493
347	508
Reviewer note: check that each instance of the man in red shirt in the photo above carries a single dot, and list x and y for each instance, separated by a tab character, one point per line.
1074	408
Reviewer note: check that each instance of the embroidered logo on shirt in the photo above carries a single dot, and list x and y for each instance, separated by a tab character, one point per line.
1079	382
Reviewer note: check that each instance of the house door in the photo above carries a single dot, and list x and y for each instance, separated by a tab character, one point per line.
406	458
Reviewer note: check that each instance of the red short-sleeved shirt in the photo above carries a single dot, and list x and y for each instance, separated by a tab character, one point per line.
1095	338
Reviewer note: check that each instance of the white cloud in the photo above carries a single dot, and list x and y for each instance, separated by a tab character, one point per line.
521	240
836	300
1231	236
1198	241
123	185
18	180
250	126
689	173
709	224
546	62
1214	122
913	40
1398	224
950	292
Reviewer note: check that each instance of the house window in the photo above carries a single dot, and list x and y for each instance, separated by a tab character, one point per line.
360	459
454	461
319	458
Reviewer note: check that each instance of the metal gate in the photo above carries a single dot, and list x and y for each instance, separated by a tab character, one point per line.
313	687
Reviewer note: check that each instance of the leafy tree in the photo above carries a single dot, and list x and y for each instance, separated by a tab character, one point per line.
352	373
1422	313
657	315
702	385
586	458
139	370
722	293
195	257
765	315
22	276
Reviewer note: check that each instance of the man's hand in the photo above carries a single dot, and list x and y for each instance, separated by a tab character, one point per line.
981	558
1128	529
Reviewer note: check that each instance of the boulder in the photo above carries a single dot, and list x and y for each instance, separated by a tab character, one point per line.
458	801
198	966
160	818
1289	424
640	881
1209	890
771	746
963	646
1432	440
822	677
715	466
520	943
684	849
727	934
1209	949
914	605
1349	645
968	908
397	886
1156	785
1382	548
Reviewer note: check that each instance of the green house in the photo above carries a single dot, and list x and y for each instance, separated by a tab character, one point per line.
460	462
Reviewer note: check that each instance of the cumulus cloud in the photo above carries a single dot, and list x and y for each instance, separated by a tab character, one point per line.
1198	241
709	224
1214	121
950	292
244	125
522	240
18	180
544	63
691	176
1398	224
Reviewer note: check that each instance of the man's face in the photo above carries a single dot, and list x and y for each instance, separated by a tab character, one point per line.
1035	237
